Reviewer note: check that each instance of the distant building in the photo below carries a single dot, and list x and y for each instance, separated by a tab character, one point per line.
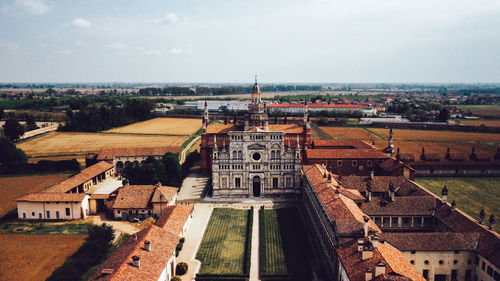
298	108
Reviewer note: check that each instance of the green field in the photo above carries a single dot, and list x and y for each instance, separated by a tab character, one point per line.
470	194
224	249
284	248
479	107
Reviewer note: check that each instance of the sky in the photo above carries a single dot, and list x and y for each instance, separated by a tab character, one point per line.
387	41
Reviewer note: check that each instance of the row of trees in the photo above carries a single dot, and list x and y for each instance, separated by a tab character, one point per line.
96	117
224	90
166	170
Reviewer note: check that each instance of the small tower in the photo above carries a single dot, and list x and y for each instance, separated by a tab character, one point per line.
482	216
444	194
205	118
306	114
492	222
453	205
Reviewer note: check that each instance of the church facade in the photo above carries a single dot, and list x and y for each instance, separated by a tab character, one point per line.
253	158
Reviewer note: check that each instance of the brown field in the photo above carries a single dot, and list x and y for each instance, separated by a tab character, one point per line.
35	257
492	123
437	135
171	126
13	187
58	143
349	133
415	147
79	158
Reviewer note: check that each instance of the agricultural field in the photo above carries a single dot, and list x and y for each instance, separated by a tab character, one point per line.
79	158
162	126
431	135
225	247
415	147
284	254
491	123
13	187
35	257
470	194
349	133
62	143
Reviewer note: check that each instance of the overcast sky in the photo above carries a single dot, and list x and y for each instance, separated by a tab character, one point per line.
230	41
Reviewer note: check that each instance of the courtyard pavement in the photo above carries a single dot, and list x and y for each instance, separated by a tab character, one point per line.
201	215
192	188
254	257
119	226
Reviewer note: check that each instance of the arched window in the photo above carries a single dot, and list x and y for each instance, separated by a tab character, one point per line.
273	154
240	154
278	153
235	154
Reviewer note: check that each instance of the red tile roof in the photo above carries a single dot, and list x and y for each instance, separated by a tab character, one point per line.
395	262
287	128
298	105
221	128
404	187
168	193
84	176
341	144
52	197
411	205
134	197
433	241
318	153
174	218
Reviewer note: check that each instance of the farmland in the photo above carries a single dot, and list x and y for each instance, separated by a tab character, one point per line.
12	187
482	109
34	257
491	123
59	144
224	248
349	133
415	147
283	254
162	126
470	194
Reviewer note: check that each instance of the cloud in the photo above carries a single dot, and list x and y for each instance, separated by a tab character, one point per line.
169	18
176	50
64	52
118	46
80	44
36	7
81	23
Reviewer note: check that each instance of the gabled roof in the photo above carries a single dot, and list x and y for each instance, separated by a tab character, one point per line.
111	153
404	187
433	241
84	176
221	128
287	128
134	197
341	144
319	153
411	205
174	218
52	197
164	193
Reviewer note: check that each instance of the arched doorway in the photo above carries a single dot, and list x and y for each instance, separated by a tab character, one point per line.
256	186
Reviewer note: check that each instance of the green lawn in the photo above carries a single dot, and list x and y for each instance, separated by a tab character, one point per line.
480	107
24	227
284	248
224	249
470	194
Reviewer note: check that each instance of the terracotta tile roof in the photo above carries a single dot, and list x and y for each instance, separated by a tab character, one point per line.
52	197
352	194
84	176
221	128
341	144
167	191
411	205
431	157
111	153
100	196
456	220
406	156
390	165
152	263
433	241
134	197
174	218
456	156
481	156
489	246
404	187
319	153
287	128
395	262
313	105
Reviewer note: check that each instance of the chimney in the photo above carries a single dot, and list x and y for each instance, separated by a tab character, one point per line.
453	205
482	215
137	261
367	251
492	222
369	191
373	144
391	191
372	174
379	269
422	156
365	226
368	275
444	194
374	240
336	194
360	244
125	182
147	245
135	237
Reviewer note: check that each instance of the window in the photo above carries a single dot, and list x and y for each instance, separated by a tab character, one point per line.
441	261
483	266
237	182
40	215
223	182
57	214
412	262
256	156
425	273
275	182
490	271
453	275
406	221
413	252
240	154
24	215
496	276
455	262
32	214
288	182
369	163
339	163
386	222
377	220
426	261
48	214
354	163
67	212
467	274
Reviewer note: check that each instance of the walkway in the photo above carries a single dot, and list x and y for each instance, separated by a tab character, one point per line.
119	226
192	188
254	256
201	215
182	157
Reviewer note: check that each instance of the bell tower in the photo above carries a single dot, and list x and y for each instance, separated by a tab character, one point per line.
257	110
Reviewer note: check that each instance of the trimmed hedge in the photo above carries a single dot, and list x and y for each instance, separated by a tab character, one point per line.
213	277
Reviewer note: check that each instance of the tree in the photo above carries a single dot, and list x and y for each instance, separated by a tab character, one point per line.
172	169
30	123
12	129
444	115
10	156
2	113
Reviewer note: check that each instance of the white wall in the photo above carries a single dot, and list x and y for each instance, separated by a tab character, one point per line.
52	207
